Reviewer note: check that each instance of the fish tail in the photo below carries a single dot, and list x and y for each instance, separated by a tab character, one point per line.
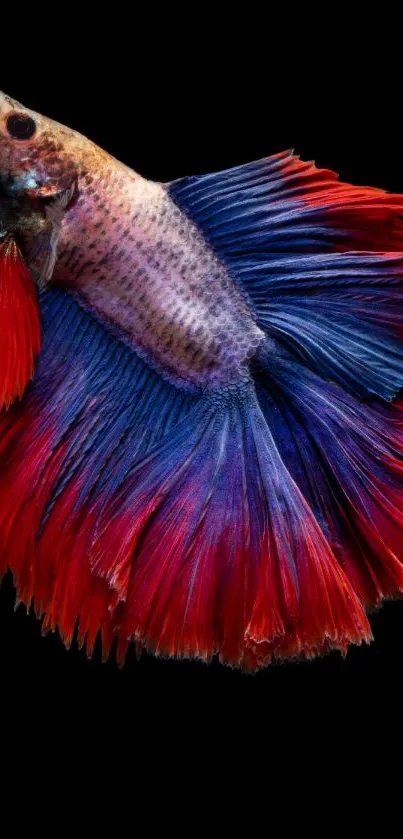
221	553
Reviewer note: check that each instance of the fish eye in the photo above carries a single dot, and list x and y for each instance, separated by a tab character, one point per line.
21	126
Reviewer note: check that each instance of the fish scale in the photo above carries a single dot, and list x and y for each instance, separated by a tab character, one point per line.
162	286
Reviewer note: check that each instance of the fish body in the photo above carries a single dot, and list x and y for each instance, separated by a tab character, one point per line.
209	458
144	266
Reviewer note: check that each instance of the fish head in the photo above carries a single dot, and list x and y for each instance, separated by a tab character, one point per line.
42	164
38	157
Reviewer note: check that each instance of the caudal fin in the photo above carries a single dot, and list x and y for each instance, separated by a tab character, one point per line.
212	548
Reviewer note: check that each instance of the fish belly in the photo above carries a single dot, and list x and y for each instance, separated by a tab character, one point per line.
155	277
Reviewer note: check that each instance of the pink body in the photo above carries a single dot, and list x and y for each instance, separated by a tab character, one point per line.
140	263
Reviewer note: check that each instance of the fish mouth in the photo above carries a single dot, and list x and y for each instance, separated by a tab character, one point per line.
34	223
19	190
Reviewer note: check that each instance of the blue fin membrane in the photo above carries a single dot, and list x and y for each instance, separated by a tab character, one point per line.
346	457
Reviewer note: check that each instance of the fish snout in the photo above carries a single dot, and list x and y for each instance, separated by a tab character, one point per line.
7	104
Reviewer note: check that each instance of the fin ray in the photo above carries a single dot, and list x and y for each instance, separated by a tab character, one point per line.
347	459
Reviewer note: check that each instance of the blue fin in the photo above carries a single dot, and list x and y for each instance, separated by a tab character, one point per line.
341	314
92	411
98	396
347	459
321	261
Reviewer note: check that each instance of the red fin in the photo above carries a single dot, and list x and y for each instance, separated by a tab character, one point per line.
20	331
211	548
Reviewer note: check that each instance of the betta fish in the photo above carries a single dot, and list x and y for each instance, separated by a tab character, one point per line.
201	437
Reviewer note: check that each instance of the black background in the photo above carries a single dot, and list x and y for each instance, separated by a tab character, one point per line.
189	109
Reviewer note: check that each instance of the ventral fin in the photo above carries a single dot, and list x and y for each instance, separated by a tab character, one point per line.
20	328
